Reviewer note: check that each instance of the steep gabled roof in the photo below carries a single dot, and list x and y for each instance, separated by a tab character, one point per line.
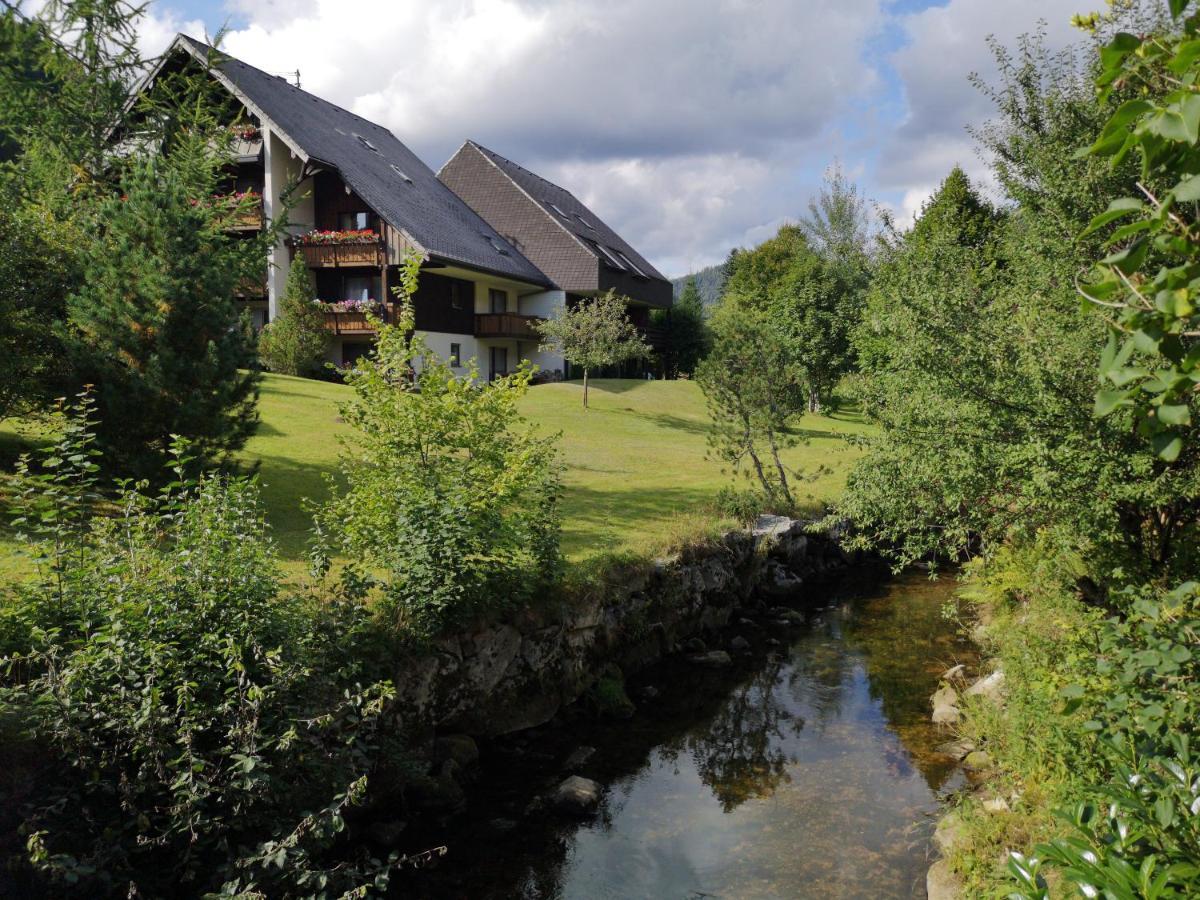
572	215
388	176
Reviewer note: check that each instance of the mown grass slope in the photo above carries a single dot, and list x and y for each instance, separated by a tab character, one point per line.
637	473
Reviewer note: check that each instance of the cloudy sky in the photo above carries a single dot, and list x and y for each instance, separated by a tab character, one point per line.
691	126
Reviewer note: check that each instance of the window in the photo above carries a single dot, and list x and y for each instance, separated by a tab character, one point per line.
456	355
586	223
354	221
496	245
395	168
498	300
609	256
557	210
456	295
628	262
362	140
359	287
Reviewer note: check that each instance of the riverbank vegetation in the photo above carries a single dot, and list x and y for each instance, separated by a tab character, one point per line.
1029	365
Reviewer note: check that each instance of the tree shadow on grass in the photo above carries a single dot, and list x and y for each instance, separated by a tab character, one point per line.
597	520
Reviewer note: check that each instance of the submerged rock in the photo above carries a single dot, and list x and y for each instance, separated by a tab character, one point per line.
694	645
958	749
577	796
739	644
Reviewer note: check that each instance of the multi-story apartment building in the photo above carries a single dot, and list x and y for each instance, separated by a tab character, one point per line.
500	247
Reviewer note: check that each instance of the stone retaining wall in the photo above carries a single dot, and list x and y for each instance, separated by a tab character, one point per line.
518	673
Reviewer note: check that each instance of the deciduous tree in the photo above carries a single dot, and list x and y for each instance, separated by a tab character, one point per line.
594	333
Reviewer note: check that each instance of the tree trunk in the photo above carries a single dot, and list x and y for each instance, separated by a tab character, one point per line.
585	374
814	401
783	481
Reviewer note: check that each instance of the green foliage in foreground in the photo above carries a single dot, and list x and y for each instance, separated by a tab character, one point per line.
202	730
294	343
451	508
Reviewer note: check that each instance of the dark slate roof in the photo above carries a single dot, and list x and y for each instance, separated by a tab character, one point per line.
568	211
433	215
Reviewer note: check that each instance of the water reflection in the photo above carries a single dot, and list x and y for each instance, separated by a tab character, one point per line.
809	774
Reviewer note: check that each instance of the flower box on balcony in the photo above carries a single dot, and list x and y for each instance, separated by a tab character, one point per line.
323	249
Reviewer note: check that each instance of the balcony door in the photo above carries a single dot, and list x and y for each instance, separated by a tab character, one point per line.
499	363
498	300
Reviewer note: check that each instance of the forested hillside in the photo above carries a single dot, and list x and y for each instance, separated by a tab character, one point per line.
710	281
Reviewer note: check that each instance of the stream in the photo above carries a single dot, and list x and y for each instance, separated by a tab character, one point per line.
806	769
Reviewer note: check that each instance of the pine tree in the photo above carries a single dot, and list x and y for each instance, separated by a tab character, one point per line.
154	326
294	343
689	333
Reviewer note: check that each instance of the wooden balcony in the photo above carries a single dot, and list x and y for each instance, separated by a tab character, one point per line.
357	323
248	219
330	256
507	325
251	288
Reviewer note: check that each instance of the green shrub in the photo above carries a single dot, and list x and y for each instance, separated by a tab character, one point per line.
294	343
1139	835
204	732
451	508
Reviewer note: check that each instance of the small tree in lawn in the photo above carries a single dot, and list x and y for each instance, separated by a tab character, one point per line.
294	343
596	332
752	385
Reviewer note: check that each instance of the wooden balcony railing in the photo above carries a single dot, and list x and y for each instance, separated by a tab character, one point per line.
325	256
507	325
248	219
357	322
251	288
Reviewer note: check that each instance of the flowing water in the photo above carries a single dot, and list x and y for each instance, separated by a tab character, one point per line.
810	771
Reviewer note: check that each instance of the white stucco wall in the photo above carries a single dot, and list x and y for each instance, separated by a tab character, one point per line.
543	304
281	170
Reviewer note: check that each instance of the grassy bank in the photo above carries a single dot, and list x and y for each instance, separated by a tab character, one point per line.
637	477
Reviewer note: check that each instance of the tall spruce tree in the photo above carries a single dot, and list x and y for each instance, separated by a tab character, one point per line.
154	326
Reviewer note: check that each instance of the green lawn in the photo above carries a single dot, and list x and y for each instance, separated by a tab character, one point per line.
637	477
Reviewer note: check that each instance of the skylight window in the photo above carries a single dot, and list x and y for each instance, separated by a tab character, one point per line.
496	245
400	172
631	264
559	211
362	140
586	223
609	255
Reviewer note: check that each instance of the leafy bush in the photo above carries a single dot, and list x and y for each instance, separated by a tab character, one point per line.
452	505
1139	836
204	732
